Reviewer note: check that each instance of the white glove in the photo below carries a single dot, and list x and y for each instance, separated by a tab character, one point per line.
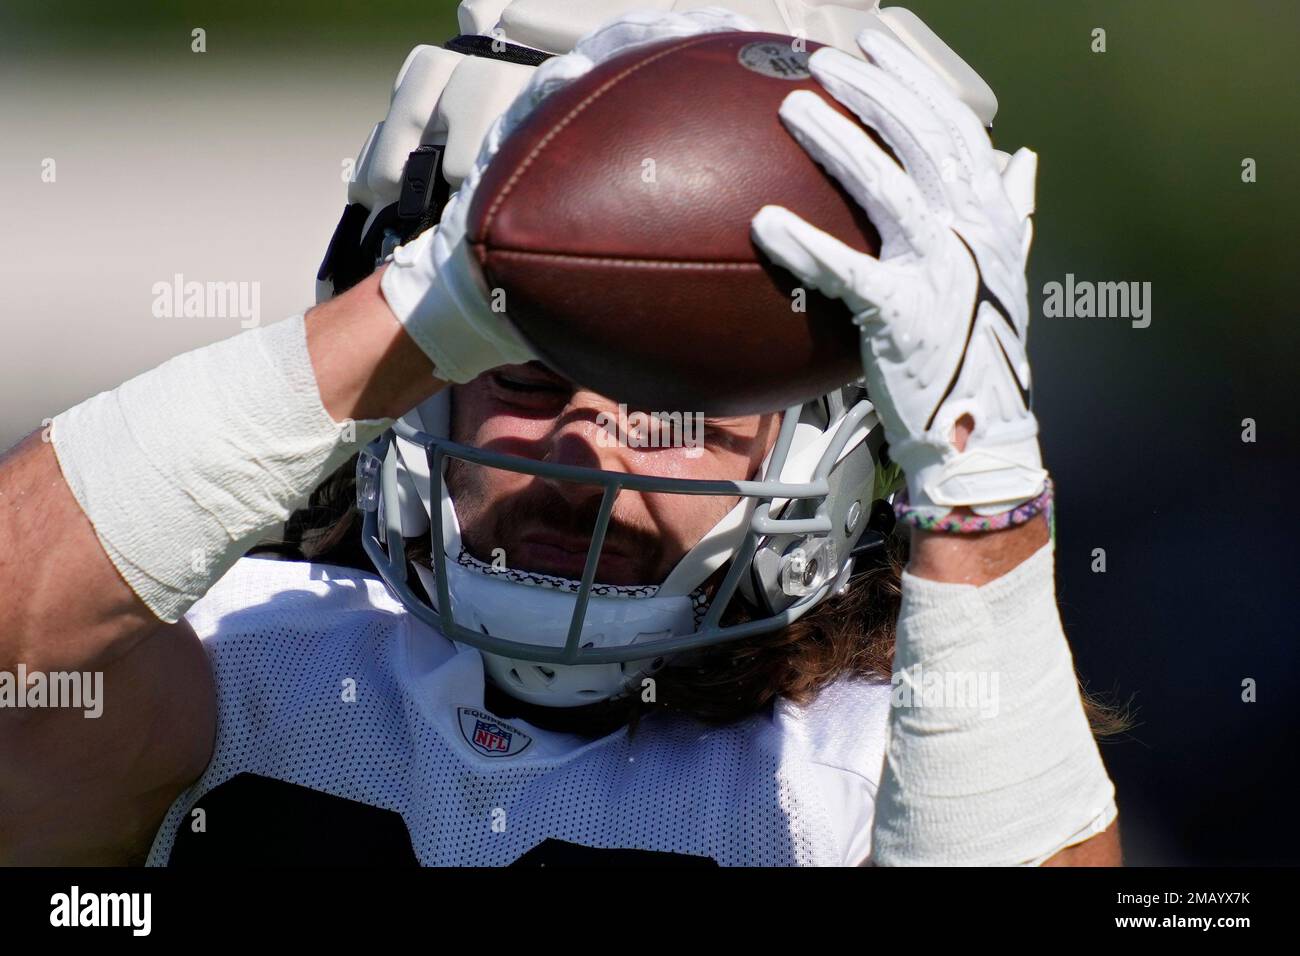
944	309
433	285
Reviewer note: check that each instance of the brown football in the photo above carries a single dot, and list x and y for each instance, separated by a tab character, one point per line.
616	221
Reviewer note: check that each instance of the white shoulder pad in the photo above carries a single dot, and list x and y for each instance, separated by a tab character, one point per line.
479	16
478	92
557	27
359	184
442	97
839	24
957	73
420	83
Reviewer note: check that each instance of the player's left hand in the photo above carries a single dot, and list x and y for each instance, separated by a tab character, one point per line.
944	309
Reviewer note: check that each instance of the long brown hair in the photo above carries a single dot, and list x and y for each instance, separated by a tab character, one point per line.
847	636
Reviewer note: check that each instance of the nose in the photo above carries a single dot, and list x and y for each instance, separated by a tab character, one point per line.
587	434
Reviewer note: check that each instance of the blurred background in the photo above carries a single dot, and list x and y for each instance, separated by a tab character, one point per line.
230	166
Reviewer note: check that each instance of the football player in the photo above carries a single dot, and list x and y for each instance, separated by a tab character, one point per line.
560	648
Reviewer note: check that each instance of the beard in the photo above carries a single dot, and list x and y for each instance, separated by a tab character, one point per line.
542	531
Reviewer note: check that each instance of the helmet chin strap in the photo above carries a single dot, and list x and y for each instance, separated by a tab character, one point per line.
499	604
557	582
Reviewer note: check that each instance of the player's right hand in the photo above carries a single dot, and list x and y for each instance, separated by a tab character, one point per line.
436	291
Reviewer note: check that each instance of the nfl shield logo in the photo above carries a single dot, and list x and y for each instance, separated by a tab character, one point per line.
489	736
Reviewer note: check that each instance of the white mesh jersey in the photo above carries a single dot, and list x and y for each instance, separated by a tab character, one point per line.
348	731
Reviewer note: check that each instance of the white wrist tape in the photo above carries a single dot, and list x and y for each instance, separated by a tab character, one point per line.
181	469
1010	774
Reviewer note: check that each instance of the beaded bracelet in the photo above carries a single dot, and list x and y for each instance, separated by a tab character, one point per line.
978	524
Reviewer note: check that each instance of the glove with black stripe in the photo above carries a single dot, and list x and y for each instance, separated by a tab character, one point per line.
944	309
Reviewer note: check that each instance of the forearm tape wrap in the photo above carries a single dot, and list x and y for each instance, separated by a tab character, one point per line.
1008	781
183	468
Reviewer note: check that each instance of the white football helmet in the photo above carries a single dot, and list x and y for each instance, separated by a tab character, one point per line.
799	526
788	544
